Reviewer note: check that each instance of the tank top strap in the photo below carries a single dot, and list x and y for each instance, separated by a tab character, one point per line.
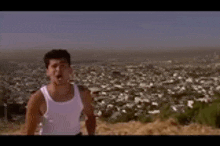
77	94
76	91
45	93
48	98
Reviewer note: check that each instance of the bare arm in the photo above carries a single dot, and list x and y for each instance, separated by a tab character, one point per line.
88	110
33	113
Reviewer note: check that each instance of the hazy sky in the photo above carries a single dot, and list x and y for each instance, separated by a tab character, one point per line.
109	29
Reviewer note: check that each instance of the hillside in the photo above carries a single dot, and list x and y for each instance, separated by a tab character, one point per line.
127	85
168	127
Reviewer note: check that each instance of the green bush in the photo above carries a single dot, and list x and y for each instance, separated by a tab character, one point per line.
210	115
128	116
145	118
166	112
190	114
4	93
203	113
120	117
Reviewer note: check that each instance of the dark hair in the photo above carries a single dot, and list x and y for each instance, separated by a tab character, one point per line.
56	54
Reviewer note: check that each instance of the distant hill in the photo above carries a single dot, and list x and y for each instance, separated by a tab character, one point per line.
106	54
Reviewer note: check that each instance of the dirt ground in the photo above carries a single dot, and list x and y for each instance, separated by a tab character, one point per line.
168	127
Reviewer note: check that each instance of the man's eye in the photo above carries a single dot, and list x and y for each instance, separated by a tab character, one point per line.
54	66
62	65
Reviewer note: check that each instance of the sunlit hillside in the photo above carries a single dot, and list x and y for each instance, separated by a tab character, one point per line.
168	127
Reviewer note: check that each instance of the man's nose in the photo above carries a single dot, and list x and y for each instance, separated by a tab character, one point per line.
58	68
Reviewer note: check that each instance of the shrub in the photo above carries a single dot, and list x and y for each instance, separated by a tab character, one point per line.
122	118
145	118
210	115
128	116
203	113
3	94
190	114
117	117
166	112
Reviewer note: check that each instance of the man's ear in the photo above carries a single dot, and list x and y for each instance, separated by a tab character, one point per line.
47	72
71	70
71	73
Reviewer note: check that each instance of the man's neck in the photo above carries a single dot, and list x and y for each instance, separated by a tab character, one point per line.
60	89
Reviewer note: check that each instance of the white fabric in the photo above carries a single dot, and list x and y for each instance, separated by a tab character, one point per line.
61	118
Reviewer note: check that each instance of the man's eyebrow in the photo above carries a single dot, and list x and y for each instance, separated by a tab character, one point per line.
63	61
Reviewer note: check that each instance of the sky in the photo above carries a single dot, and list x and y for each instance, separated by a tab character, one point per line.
100	29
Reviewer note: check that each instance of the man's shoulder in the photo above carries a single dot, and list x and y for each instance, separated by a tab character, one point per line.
36	97
83	88
85	95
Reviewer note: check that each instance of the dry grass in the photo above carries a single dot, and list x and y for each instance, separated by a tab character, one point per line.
168	127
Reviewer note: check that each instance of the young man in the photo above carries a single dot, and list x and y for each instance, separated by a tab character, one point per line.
59	104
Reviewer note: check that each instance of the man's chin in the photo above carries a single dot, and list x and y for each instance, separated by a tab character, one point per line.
60	82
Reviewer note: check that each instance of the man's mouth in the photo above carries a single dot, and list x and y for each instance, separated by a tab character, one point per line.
59	77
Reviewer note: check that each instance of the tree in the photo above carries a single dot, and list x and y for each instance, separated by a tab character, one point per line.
4	96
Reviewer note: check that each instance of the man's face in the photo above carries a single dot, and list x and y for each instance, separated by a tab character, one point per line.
59	71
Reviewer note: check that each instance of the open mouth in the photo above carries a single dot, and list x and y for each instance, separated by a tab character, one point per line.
59	77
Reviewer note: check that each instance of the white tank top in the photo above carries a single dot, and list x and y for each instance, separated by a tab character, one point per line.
61	118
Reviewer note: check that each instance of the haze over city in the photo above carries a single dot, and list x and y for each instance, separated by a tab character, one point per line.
100	29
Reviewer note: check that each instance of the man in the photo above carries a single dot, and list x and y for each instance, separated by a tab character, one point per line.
59	104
